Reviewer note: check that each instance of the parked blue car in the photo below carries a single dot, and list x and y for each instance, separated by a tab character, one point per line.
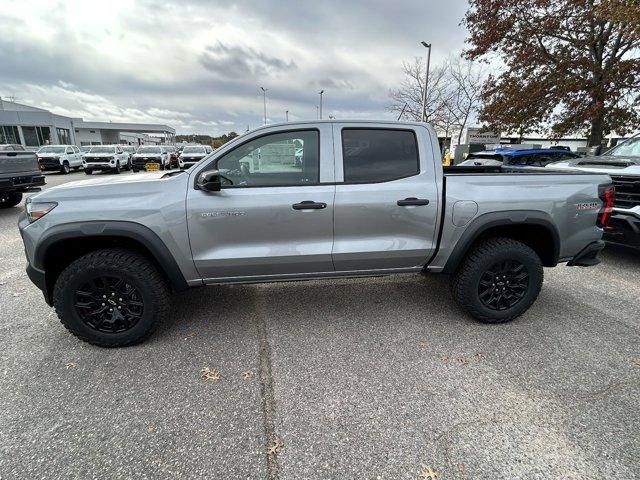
536	157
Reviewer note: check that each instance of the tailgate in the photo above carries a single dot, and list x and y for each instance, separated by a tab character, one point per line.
18	162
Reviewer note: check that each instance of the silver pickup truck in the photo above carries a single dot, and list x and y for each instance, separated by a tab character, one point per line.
307	200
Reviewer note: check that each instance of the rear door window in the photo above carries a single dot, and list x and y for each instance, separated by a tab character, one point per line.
373	155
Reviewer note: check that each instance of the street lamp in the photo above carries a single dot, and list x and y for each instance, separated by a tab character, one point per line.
426	81
264	100
286	115
317	113
321	92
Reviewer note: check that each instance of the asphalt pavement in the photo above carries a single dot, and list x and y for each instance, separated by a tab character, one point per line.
368	378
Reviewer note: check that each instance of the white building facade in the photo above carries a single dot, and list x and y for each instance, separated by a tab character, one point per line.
33	127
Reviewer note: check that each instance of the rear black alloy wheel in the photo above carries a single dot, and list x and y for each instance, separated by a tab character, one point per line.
109	304
498	280
503	285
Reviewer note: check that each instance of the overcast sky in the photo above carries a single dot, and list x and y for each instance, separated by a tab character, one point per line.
197	65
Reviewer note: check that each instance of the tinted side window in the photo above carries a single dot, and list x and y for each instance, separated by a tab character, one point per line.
282	159
378	155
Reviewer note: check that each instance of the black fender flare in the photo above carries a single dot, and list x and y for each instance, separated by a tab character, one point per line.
109	228
501	219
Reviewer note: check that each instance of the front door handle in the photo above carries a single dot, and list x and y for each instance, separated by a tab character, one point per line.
413	201
309	205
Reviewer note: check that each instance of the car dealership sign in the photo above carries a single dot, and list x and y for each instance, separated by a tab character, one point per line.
482	136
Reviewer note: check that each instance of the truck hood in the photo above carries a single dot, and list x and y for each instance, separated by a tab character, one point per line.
604	164
109	186
146	155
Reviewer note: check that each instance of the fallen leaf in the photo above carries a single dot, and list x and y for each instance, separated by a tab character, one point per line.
208	374
17	294
636	361
463	360
480	355
462	467
429	473
247	375
190	335
2	283
70	365
150	428
424	345
445	358
276	447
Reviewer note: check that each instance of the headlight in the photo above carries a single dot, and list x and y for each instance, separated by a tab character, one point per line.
36	210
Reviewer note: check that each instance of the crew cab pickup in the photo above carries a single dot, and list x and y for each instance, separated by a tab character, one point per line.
19	173
59	158
306	200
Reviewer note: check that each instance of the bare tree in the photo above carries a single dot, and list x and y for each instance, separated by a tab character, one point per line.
453	94
408	98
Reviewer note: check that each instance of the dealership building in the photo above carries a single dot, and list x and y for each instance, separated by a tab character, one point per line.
33	127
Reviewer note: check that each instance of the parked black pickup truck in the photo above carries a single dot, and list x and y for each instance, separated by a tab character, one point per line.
19	172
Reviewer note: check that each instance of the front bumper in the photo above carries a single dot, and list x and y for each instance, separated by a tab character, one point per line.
38	277
140	163
588	256
98	165
21	182
624	229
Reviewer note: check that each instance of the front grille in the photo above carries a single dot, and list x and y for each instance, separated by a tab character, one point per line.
97	160
627	191
50	163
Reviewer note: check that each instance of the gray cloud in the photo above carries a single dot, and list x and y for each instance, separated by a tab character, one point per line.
198	65
241	62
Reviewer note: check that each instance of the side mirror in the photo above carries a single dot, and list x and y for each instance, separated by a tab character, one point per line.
210	181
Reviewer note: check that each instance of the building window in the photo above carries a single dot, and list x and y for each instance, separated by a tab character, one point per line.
9	134
36	136
64	136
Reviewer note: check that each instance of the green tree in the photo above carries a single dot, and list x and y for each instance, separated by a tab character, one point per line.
569	65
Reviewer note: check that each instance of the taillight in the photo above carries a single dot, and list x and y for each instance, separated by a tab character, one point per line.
607	195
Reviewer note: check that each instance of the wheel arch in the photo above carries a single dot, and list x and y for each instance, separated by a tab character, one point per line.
62	244
533	228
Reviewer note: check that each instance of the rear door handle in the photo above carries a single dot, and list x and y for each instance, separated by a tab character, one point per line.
309	205
413	201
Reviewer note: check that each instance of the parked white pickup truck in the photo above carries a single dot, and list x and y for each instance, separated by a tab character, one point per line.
60	158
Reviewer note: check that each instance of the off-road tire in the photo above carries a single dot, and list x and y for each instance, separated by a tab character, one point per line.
134	269
484	255
117	169
12	199
65	169
87	171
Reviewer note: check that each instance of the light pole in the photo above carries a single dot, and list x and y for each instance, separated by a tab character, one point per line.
286	115
426	82
264	100
321	92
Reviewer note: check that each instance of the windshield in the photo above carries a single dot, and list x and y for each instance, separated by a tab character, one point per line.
193	150
149	150
628	148
51	150
103	149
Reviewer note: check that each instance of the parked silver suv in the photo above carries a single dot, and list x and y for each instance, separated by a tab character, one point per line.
307	200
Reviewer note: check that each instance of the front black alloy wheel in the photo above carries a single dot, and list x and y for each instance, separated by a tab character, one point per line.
109	304
503	285
111	297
